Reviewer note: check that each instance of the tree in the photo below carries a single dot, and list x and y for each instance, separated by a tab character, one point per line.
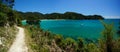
3	19
12	16
69	45
80	45
108	36
17	17
58	39
118	32
91	47
9	3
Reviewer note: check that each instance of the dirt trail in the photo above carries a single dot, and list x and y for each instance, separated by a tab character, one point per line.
19	43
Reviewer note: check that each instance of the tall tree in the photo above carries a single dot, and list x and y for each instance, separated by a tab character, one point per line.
9	3
3	19
108	36
118	32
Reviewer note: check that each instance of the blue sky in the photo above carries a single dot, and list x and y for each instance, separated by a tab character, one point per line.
106	8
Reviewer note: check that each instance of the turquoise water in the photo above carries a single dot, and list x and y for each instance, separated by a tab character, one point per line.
24	22
89	29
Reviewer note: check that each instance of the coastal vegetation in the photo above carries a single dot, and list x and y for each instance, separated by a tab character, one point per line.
8	16
46	41
8	20
118	32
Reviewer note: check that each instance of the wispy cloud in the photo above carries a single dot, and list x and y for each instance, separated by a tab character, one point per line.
111	17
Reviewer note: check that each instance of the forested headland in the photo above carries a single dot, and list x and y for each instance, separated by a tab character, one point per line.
66	15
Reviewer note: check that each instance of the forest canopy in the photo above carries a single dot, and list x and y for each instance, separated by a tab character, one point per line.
66	15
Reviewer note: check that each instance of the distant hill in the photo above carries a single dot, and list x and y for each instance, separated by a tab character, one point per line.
66	15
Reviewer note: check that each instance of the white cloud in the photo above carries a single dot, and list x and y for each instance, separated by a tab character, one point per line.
111	17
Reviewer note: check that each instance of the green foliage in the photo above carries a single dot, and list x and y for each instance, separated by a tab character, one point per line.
108	36
67	15
118	32
9	3
68	45
4	8
58	39
31	15
33	22
80	45
91	47
7	15
116	45
102	45
39	40
3	19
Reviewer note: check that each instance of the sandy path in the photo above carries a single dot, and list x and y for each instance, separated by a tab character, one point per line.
19	43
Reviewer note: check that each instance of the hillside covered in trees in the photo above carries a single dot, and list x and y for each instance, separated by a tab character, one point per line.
7	14
66	15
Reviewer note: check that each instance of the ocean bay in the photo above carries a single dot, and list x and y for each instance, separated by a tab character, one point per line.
88	29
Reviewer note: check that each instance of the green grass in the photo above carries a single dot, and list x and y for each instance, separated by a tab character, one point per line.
36	40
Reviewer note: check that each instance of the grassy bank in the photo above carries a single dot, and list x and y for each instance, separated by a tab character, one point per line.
7	35
39	40
33	34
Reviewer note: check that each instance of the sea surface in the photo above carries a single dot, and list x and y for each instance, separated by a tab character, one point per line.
87	29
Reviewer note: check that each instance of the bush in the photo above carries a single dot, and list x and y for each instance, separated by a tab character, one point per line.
3	19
